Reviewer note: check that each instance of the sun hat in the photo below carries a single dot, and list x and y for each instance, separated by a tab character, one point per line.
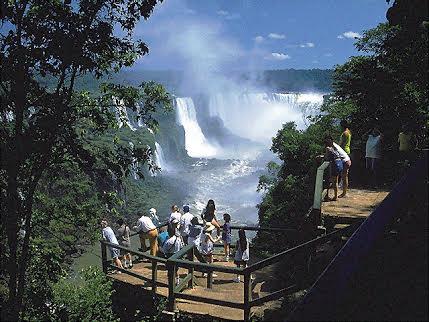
209	227
152	211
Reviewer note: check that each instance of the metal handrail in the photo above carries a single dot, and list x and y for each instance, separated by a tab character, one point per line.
318	186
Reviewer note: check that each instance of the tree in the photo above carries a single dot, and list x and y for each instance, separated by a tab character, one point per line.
389	84
45	122
86	300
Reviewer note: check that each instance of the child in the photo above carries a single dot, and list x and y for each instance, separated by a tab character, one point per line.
226	235
162	237
241	252
207	246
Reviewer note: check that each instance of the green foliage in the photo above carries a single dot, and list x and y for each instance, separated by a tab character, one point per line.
46	124
289	187
88	299
387	87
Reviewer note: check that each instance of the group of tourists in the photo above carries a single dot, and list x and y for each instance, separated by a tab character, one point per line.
338	156
182	229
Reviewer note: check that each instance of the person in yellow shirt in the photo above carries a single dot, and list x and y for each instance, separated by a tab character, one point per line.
346	137
407	144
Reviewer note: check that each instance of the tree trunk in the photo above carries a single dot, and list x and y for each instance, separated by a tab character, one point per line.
12	208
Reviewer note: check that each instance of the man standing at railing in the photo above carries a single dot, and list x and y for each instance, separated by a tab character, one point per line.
147	230
109	236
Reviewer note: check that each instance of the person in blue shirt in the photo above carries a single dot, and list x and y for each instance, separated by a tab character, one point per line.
162	237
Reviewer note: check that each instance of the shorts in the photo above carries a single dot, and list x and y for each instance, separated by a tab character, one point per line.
114	252
226	238
336	167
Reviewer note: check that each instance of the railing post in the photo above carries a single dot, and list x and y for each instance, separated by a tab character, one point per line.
103	256
318	186
191	270
210	279
247	295
154	276
171	280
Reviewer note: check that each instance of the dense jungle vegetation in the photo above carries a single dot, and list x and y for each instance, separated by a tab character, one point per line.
386	86
65	163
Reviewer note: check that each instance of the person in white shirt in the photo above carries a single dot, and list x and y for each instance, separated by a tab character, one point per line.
346	166
109	236
172	245
185	223
147	230
154	216
373	153
175	214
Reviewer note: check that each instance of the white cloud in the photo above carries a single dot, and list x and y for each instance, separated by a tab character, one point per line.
307	45
222	13
276	36
349	35
277	56
328	55
258	39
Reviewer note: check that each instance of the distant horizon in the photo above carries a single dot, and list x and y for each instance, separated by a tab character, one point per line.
238	70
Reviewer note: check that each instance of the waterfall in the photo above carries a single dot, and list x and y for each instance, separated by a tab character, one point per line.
196	143
159	157
122	114
258	116
140	122
135	165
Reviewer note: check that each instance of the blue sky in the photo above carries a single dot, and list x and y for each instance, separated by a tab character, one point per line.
255	34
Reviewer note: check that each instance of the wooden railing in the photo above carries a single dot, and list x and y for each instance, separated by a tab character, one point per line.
189	258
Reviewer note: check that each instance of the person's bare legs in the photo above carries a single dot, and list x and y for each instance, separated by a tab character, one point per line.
130	260
334	181
216	224
226	249
345	178
118	262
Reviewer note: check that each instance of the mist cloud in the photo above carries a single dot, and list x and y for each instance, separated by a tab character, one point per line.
277	56
276	36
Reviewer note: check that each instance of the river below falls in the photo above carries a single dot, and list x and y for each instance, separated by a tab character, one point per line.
230	183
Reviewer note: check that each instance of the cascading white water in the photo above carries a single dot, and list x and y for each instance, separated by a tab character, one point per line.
134	167
122	114
257	116
159	158
196	143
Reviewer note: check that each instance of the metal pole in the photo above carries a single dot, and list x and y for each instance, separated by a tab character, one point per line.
247	296
103	256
